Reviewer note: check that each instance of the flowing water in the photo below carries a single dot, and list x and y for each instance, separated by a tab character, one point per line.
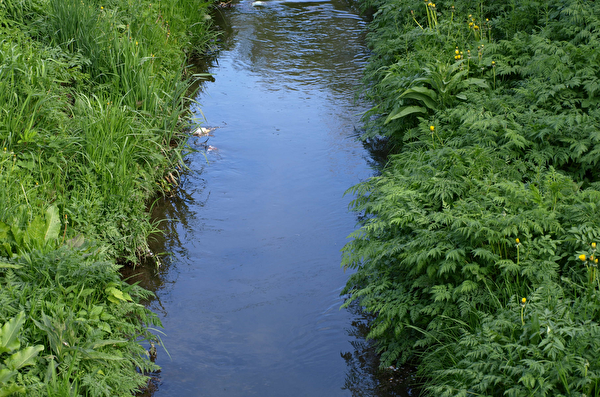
250	297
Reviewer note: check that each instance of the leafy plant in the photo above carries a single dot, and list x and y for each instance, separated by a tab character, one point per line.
437	89
18	358
476	251
18	236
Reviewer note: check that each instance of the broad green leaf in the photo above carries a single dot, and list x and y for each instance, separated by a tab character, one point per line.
86	292
405	111
423	94
96	311
52	224
5	375
23	357
34	235
4	229
76	241
113	299
10	390
428	101
9	332
17	234
105	326
112	291
6	248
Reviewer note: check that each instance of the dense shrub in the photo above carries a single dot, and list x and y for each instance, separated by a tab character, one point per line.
491	195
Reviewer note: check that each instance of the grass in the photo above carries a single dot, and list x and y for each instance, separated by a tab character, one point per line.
94	109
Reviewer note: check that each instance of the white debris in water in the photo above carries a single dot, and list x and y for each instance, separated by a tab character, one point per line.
203	131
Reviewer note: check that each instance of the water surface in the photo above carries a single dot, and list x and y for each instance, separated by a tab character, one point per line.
250	297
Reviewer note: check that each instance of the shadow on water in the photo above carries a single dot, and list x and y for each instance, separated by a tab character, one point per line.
249	289
364	377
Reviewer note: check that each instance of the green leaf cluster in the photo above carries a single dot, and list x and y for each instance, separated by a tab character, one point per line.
490	195
19	237
18	358
89	321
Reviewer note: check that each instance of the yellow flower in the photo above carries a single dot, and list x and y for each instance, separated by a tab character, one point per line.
431	128
582	257
523	300
456	52
101	8
593	244
518	241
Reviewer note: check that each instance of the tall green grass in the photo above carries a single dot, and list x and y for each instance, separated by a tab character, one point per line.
92	119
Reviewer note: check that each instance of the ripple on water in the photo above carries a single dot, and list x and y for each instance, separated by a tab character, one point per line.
250	299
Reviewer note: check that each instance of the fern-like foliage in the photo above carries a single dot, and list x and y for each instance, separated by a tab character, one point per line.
491	196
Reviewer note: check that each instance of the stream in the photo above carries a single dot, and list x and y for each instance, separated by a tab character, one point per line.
250	294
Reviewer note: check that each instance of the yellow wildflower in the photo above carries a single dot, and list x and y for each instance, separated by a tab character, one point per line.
582	257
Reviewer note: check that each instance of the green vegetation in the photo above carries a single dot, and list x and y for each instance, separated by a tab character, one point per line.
477	252
93	105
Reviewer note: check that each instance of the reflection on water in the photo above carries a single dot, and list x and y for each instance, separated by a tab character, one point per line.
364	378
249	295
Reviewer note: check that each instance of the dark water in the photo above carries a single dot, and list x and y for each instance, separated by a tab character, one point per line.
250	297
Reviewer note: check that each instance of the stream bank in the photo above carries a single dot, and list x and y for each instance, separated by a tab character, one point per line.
92	98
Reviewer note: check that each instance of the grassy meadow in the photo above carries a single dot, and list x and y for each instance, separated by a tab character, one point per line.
478	248
93	108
